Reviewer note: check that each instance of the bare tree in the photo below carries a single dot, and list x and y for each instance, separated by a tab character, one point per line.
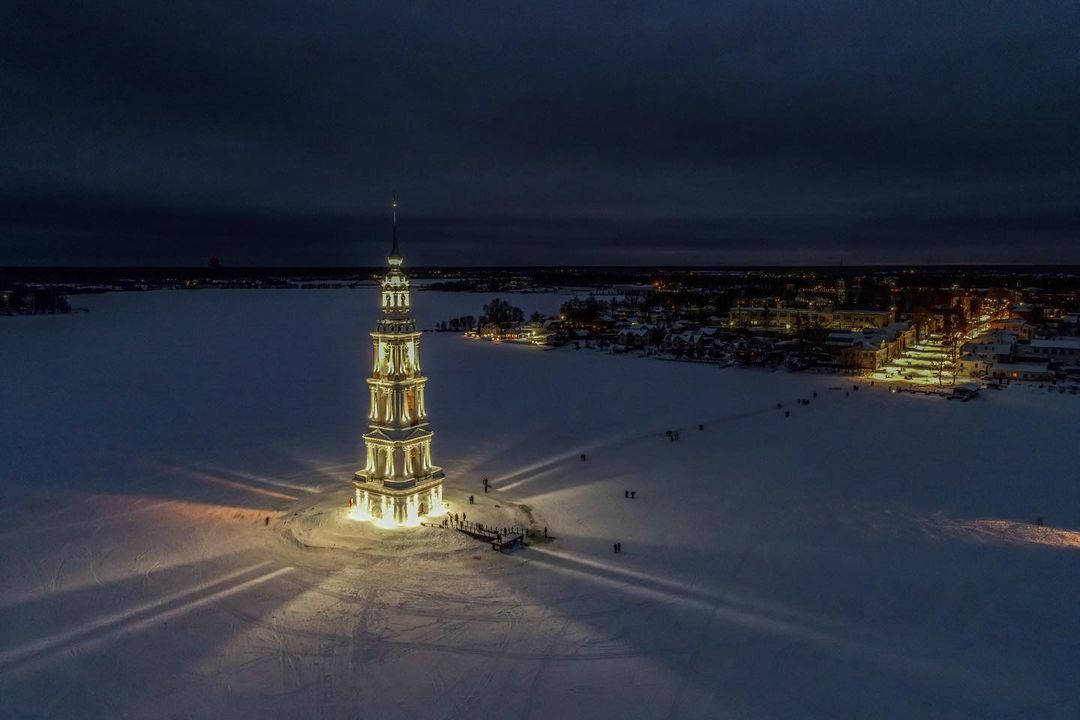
955	348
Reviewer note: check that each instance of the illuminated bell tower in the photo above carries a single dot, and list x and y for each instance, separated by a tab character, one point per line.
399	483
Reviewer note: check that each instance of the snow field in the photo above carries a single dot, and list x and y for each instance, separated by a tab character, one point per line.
873	555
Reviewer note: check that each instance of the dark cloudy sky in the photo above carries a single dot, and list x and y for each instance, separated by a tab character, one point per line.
271	133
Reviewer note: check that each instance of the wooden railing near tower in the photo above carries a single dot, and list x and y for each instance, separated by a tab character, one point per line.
501	538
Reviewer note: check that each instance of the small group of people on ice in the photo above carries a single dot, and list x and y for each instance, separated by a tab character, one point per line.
453	519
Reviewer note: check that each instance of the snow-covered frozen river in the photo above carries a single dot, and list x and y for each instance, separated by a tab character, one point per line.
872	555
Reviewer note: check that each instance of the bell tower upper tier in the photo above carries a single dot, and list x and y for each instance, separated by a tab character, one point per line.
396	294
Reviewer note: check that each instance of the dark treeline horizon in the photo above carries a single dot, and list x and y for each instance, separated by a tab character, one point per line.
69	273
647	267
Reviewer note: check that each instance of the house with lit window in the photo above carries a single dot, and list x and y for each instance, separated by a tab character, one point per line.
972	365
870	348
1029	371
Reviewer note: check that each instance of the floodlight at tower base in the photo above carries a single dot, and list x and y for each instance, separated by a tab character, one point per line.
389	508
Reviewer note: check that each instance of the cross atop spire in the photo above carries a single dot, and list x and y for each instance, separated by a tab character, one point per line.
393	207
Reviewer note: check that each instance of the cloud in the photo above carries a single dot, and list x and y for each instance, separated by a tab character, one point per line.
152	125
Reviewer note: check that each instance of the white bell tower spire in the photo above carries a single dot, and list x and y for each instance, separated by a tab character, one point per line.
398	483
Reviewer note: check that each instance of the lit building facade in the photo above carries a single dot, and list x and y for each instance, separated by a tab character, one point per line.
399	483
791	319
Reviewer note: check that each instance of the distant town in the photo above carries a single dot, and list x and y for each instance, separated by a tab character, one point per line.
919	330
930	329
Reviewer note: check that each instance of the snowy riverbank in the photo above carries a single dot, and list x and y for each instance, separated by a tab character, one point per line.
872	555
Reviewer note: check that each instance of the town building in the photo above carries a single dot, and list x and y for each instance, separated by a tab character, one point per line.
1017	326
861	319
972	365
1060	349
1022	371
871	348
633	336
1033	313
996	346
791	319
